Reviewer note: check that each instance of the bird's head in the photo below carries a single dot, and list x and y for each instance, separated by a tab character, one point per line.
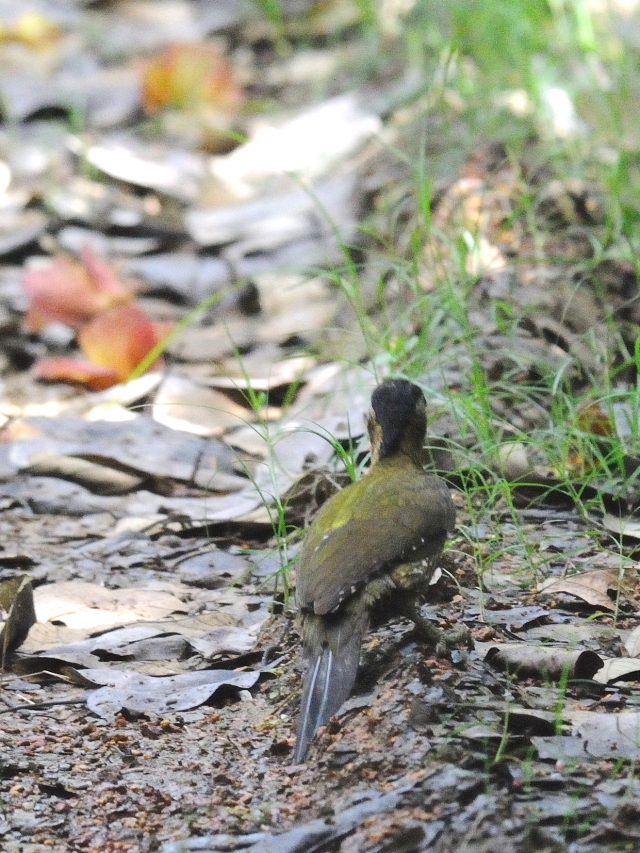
397	421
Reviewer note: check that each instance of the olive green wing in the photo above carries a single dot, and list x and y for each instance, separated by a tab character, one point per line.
384	527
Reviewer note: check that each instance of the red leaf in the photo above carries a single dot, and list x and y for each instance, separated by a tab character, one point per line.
72	370
119	339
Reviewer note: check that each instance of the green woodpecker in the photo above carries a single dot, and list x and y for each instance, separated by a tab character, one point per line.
359	546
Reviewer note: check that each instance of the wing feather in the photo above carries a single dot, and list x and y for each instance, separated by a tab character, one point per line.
352	552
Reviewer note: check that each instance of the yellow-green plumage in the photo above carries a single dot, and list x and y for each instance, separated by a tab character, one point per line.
394	515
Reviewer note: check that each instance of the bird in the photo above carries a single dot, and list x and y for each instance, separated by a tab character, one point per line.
359	547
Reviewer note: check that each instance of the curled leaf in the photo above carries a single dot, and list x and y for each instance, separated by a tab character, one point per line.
67	369
16	597
119	339
552	663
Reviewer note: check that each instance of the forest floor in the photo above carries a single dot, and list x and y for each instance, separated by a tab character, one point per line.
148	521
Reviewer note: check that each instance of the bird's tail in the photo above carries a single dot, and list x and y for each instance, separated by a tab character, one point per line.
331	652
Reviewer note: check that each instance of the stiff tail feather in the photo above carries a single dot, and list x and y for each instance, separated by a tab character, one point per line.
331	651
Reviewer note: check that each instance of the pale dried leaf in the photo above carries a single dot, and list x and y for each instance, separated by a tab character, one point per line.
183	404
226	639
513	461
607	735
590	633
98	478
616	669
632	643
131	444
562	748
140	694
176	173
592	587
45	635
309	145
263	370
85	605
265	224
624	525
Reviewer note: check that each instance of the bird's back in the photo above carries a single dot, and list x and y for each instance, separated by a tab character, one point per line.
389	517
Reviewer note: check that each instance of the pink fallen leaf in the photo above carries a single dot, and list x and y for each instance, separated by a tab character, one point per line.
71	291
115	341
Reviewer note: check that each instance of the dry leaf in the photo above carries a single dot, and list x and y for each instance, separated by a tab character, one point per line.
142	694
623	525
550	663
115	334
116	341
101	479
607	735
46	635
632	643
183	404
119	339
190	77
72	292
74	370
32	29
16	597
592	587
617	669
87	605
592	419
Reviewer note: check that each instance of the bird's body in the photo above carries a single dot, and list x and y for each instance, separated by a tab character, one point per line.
396	514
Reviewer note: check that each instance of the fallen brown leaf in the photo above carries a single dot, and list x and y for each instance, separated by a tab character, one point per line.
592	587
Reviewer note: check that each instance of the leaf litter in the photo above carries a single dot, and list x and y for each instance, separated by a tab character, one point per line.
113	503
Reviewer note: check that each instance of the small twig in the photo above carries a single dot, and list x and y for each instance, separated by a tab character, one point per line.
37	705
